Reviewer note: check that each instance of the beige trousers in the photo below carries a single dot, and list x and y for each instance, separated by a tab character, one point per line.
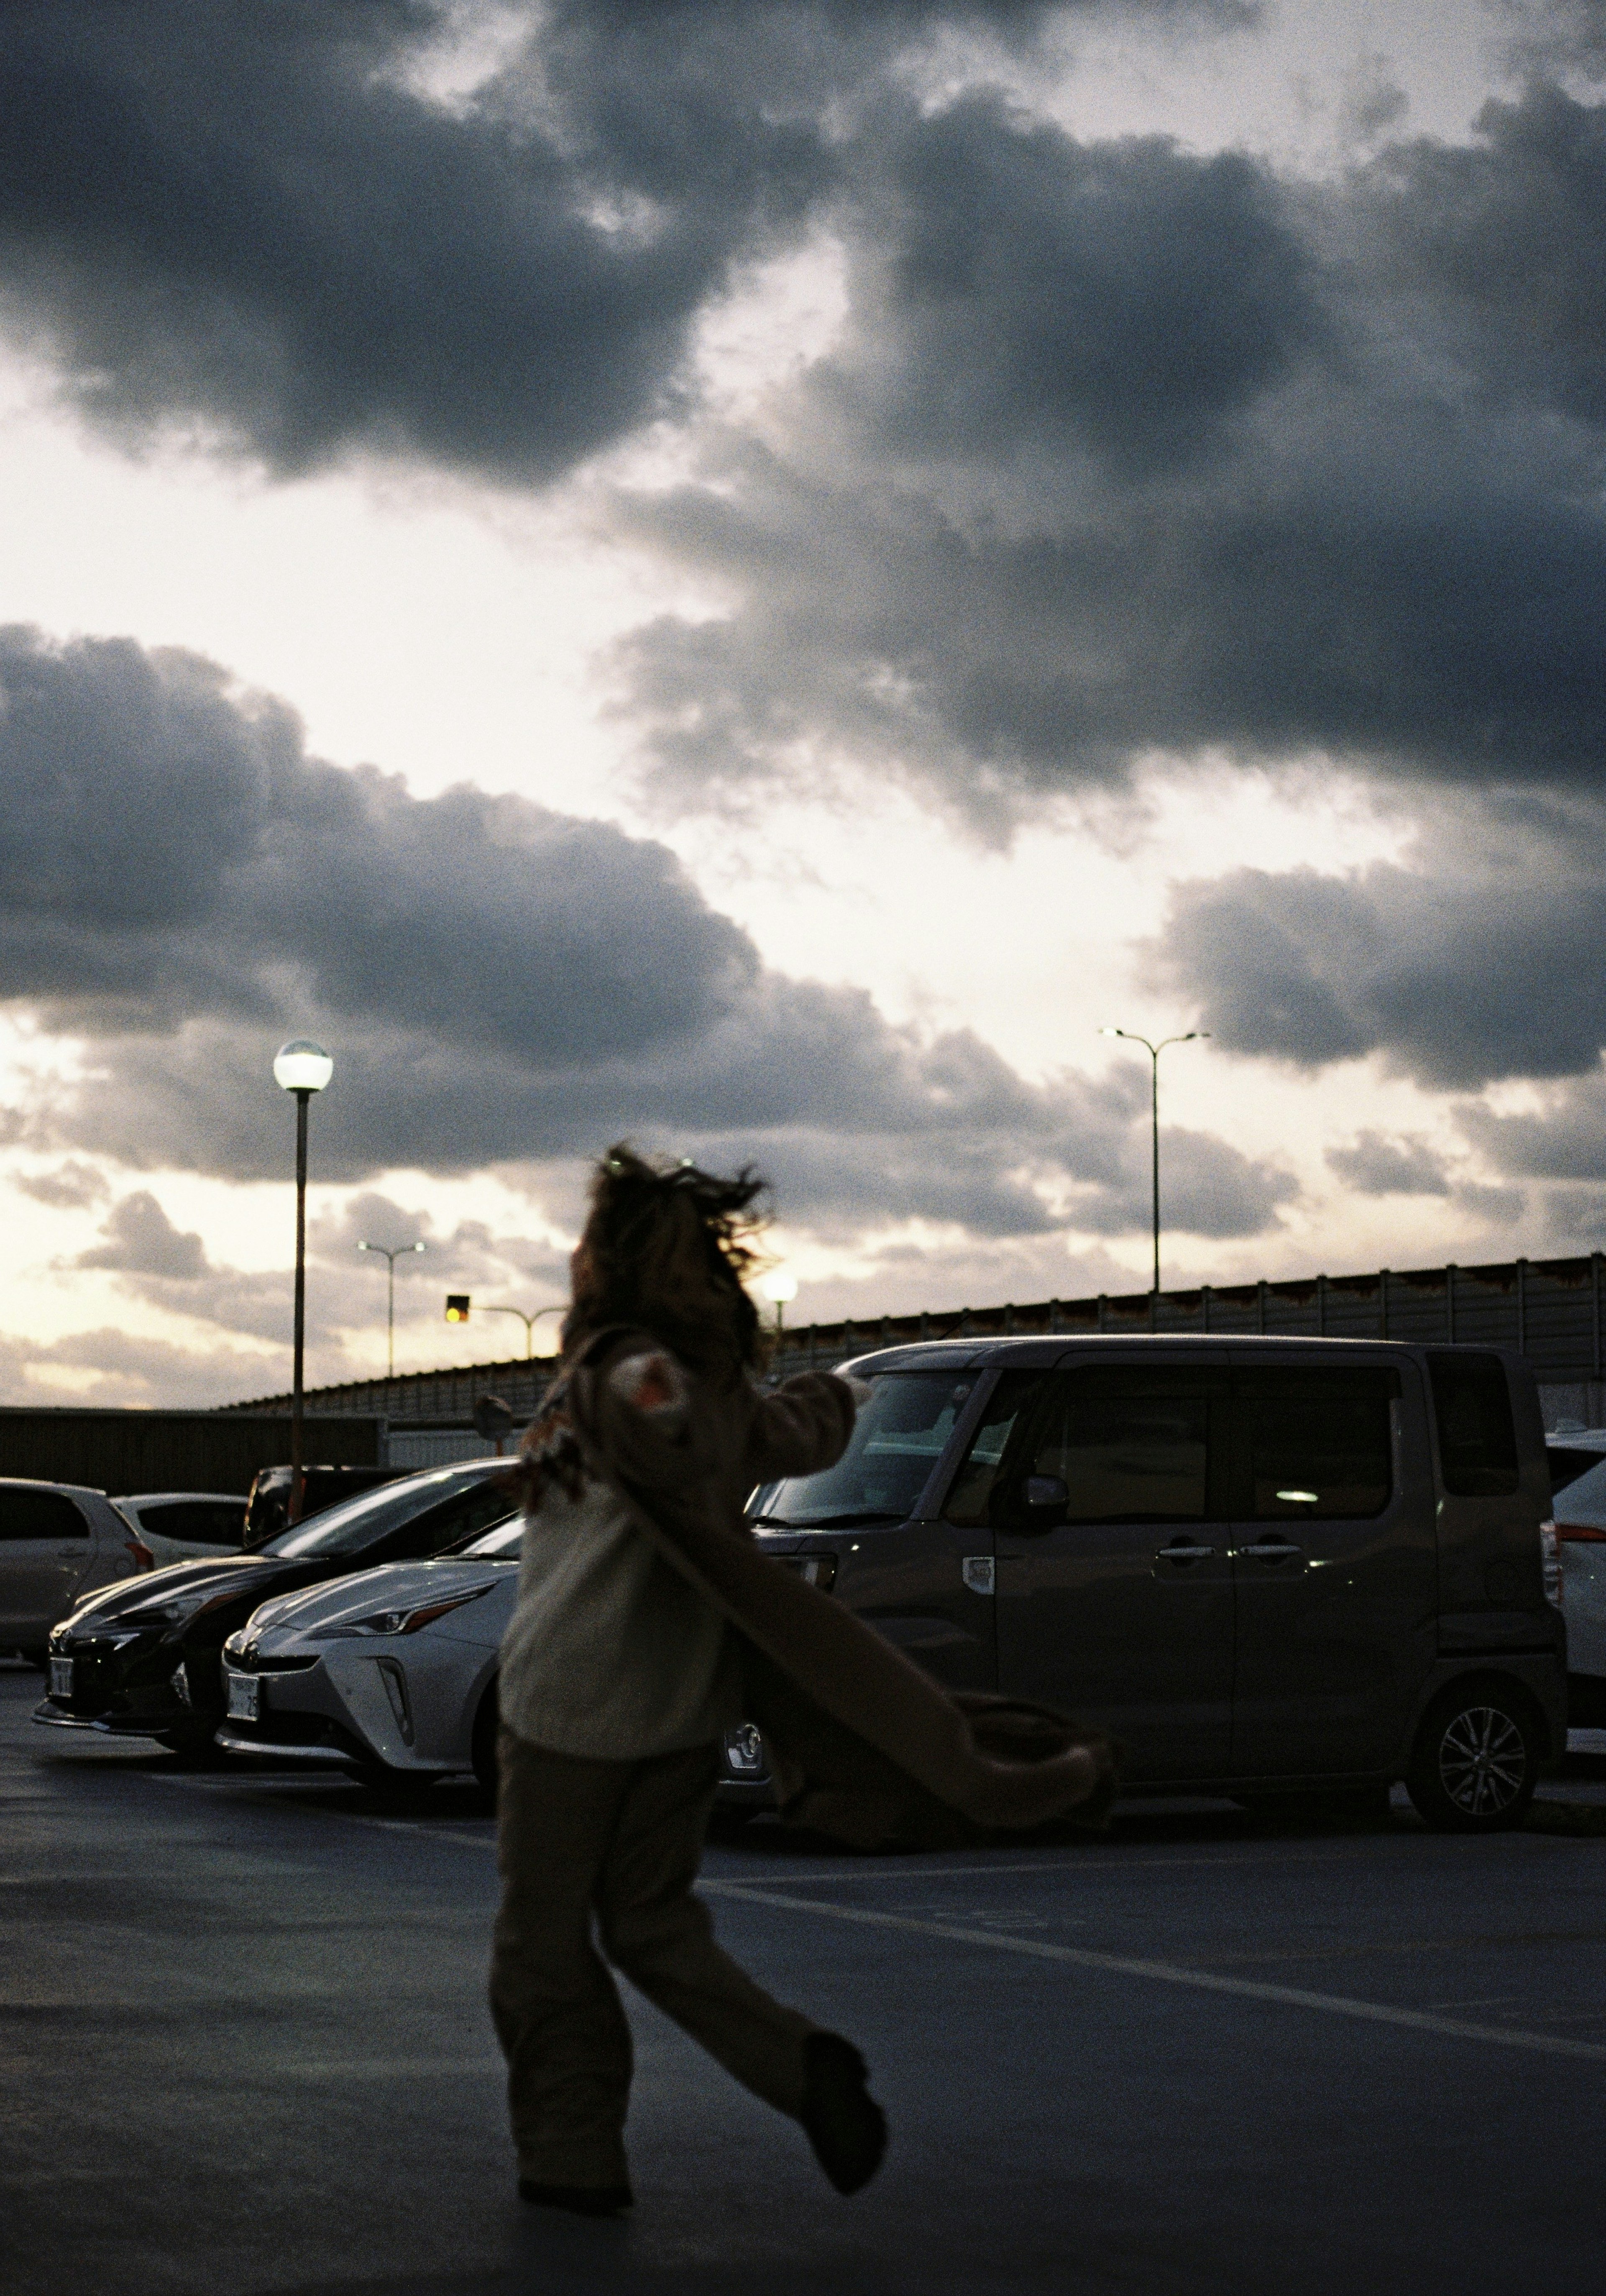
618	1841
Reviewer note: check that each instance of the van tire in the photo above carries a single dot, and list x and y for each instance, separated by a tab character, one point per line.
1476	1761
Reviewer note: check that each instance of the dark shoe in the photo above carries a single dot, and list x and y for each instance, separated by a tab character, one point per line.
844	2123
579	2199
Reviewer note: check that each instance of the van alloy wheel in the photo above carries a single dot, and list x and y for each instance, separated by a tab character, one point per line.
1476	1761
1482	1761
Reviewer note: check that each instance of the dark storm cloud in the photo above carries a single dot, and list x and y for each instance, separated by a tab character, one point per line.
1375	1166
1125	451
1466	970
1028	292
260	214
141	1240
252	211
182	885
72	1185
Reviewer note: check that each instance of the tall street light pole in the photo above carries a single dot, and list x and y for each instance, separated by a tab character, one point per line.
1154	1050
390	1259
778	1289
301	1068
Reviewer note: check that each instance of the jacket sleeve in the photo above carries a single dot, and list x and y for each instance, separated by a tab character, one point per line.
801	1426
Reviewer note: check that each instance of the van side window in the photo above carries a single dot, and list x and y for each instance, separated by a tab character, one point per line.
1131	1446
1477	1440
1315	1445
971	1490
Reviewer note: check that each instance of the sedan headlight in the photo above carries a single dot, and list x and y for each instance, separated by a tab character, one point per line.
396	1622
173	1611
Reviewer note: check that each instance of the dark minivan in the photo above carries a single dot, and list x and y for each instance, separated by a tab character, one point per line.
1267	1566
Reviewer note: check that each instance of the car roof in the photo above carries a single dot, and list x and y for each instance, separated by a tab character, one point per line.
162	1498
1041	1348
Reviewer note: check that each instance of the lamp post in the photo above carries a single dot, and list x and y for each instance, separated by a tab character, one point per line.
529	1322
390	1259
778	1289
302	1068
1154	1052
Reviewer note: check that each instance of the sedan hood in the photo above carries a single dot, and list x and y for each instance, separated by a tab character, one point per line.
280	1623
215	1575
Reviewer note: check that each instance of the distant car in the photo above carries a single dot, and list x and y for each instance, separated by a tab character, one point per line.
141	1661
267	1509
177	1526
58	1542
392	1672
1570	1451
1578	1499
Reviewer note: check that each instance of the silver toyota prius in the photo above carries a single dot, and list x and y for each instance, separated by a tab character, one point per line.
390	1672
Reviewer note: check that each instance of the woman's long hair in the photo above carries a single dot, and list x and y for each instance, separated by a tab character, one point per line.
666	1248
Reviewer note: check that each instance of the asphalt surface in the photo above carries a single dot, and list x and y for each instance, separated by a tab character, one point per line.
246	2050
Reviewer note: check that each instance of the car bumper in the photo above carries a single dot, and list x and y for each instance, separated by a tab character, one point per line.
53	1716
369	1707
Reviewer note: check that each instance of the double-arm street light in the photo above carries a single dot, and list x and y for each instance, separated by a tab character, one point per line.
1154	1050
301	1068
529	1322
390	1259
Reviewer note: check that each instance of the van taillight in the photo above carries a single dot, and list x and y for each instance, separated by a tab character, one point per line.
1550	1556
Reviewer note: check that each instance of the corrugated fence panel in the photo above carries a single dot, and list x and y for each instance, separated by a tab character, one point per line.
132	1451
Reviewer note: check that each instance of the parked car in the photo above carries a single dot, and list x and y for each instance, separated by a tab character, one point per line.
1580	1520
392	1671
1266	1566
177	1526
141	1661
267	1509
1571	1451
57	1541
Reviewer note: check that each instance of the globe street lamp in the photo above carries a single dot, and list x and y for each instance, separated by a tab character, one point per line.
390	1259
303	1068
1154	1052
778	1289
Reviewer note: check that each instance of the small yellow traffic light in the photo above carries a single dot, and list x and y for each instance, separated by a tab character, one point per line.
457	1306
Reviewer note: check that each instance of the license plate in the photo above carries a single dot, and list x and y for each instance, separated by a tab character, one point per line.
245	1697
61	1678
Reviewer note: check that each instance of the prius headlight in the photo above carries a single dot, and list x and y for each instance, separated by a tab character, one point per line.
404	1622
171	1609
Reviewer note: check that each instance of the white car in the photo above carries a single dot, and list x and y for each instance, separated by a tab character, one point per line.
1579	1503
58	1543
177	1526
392	1671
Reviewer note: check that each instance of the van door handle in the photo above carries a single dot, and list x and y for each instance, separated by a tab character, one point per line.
1272	1550
1182	1550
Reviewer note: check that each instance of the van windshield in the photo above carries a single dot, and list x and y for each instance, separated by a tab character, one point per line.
897	1438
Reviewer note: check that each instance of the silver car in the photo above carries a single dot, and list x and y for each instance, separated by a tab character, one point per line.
58	1543
390	1672
178	1526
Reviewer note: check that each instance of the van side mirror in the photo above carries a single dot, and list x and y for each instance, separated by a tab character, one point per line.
1047	1497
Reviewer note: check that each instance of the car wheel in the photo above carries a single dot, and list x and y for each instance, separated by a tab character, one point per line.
1476	1761
483	1754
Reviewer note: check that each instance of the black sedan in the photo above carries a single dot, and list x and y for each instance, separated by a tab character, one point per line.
142	1659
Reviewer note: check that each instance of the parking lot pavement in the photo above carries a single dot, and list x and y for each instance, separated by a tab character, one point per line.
246	2050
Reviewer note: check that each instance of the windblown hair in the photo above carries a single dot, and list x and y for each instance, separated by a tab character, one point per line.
666	1248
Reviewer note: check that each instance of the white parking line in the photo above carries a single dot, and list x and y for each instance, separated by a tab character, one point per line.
1166	1973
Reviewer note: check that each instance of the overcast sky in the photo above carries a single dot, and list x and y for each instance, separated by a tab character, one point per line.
746	576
